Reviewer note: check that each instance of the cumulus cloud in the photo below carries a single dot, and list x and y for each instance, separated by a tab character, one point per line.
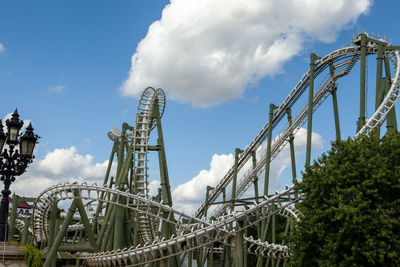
188	196
206	52
2	48
59	166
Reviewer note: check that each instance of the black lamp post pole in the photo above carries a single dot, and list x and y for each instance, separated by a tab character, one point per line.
4	205
13	162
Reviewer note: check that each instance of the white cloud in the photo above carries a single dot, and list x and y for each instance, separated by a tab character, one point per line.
57	88
206	52
188	196
59	166
2	48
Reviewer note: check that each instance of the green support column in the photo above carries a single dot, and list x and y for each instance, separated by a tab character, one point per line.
254	158
100	205
86	223
391	122
190	258
104	242
273	230
25	233
165	184
245	247
264	223
361	119
208	189
291	143
234	179
272	107
379	65
15	201
239	248
336	112
119	234
227	260
51	255
310	108
255	181
52	226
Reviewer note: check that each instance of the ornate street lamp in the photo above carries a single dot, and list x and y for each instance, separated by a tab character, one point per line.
13	162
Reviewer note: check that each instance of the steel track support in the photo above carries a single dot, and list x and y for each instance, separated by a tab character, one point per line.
100	205
245	247
106	238
264	230
86	223
234	179
391	123
239	246
378	93
336	112
291	143
190	257
119	233
255	182
273	231
264	224
361	119
272	107
123	166
313	57
25	233
227	260
51	255
167	228
52	229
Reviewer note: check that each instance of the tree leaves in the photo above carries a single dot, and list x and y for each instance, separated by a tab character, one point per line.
351	206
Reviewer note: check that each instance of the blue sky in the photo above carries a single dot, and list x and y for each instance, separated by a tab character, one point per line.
65	64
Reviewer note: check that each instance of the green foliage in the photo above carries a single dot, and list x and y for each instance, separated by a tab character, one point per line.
351	206
33	257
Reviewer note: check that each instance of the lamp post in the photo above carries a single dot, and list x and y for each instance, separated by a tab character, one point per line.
13	162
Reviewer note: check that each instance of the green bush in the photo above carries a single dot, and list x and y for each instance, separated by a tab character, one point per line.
33	257
351	206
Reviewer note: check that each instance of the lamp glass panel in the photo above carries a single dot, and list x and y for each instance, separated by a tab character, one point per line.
13	133
31	147
2	141
23	147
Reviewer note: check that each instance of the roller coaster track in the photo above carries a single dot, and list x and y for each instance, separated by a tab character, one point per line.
197	231
201	232
141	135
351	55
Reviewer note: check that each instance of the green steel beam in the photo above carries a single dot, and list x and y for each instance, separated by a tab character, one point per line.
310	108
336	112
291	143
25	233
51	256
379	65
208	189
272	107
363	44
234	179
86	223
100	205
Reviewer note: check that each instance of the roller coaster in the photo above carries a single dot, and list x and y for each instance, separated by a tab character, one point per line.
120	224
